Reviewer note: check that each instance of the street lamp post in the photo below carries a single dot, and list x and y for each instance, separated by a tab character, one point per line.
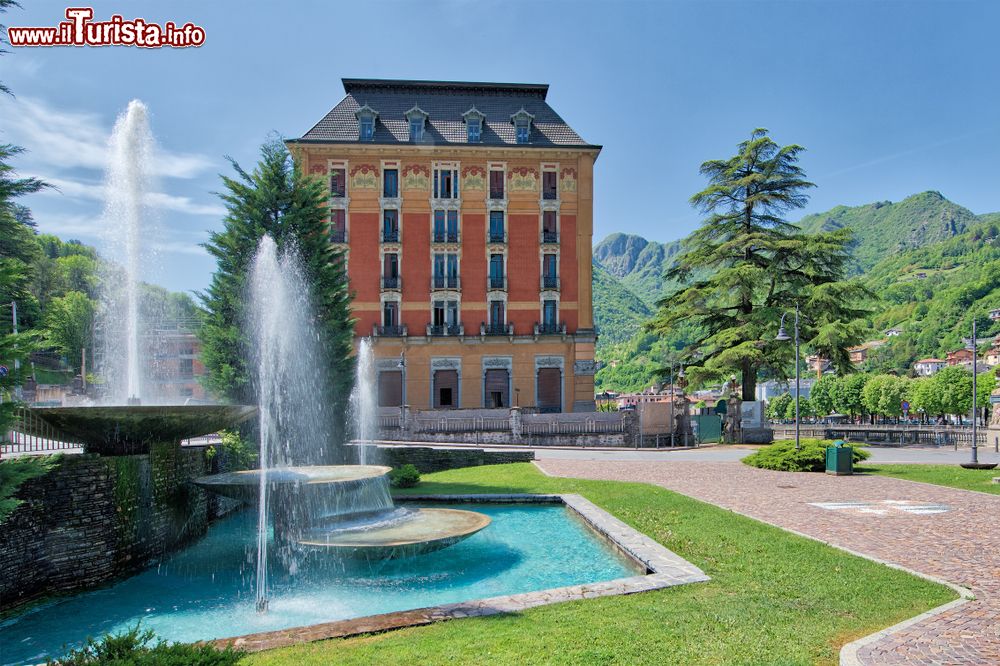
783	337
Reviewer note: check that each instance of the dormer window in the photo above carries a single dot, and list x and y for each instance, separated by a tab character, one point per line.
417	119
473	125
522	125
366	123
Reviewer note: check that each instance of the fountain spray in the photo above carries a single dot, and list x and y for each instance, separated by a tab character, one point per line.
363	400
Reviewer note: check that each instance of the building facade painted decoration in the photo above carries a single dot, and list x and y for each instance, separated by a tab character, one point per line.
467	216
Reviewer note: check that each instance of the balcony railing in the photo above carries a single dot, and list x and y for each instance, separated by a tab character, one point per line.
496	193
550	282
550	194
496	282
496	329
391	282
550	329
390	331
338	235
445	237
445	282
550	237
390	235
497	236
445	329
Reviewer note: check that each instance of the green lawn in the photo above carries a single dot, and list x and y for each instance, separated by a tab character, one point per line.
942	475
774	598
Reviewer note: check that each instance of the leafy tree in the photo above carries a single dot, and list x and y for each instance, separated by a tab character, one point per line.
954	388
69	322
805	407
276	198
924	397
884	395
822	395
847	394
778	406
745	265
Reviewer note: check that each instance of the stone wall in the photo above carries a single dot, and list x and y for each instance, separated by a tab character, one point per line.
427	459
507	438
92	519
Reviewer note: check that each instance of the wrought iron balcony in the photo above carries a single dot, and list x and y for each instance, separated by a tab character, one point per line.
497	236
445	329
496	193
550	329
390	235
550	193
390	331
445	282
496	329
445	237
392	282
550	236
550	282
496	282
338	235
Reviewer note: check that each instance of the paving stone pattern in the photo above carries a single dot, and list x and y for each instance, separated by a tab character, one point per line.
961	545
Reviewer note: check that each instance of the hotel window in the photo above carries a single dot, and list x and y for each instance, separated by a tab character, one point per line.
445	313
366	128
416	129
390	271
498	317
550	185
550	271
446	226
550	228
390	314
550	311
496	272
522	125
390	226
338	225
446	183
496	184
390	183
338	183
445	270
474	130
496	226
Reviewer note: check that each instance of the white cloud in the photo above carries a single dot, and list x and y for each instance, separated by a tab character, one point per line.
91	191
67	139
69	226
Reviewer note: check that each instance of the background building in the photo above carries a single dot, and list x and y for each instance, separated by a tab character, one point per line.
466	210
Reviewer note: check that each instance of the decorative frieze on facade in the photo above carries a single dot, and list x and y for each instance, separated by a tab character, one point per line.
549	362
416	177
474	178
446	364
498	363
567	180
584	367
317	169
523	179
387	364
364	177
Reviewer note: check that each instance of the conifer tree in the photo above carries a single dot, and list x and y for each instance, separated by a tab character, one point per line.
276	198
746	265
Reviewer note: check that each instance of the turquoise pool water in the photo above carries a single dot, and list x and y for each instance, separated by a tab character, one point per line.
206	591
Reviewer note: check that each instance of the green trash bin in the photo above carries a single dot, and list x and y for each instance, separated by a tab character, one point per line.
839	459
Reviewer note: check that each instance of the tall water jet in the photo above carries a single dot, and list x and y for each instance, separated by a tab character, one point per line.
364	405
294	416
126	228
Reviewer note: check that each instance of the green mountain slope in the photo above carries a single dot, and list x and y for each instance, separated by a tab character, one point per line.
884	228
618	313
930	259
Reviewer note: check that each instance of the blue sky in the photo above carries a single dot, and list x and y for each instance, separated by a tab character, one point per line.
889	97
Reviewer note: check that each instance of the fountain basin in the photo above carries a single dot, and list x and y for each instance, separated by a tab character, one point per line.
132	429
245	485
420	531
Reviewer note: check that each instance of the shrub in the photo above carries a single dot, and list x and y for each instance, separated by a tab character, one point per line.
135	647
406	476
14	472
783	457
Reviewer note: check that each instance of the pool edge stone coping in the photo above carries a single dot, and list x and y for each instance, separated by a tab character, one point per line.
664	569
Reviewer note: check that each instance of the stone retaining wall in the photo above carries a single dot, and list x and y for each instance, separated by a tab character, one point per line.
92	519
427	459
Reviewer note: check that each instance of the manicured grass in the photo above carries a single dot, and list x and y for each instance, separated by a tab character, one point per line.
774	598
942	475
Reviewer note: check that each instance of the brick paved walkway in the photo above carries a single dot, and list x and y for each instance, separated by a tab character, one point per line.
961	545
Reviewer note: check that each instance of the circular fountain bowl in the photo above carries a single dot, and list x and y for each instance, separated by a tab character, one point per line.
421	531
131	429
245	485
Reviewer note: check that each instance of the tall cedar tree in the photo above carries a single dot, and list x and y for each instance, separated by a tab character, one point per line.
276	199
746	265
18	251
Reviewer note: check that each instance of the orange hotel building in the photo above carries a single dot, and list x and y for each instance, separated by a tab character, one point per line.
466	210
